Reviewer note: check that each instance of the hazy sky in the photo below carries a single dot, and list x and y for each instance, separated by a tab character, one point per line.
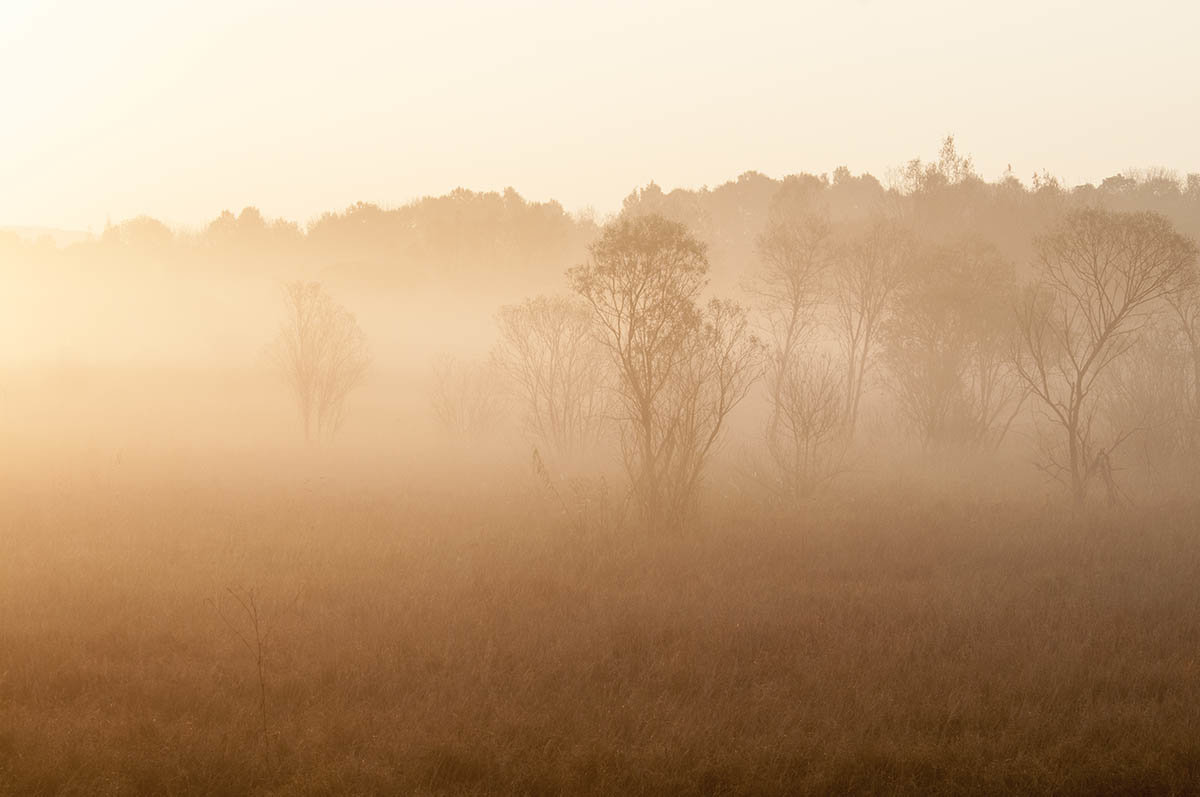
182	109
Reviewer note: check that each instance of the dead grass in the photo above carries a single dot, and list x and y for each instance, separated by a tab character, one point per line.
450	643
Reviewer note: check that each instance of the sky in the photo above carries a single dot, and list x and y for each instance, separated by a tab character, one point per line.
180	110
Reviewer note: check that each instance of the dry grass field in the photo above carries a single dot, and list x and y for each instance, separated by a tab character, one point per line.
599	398
434	640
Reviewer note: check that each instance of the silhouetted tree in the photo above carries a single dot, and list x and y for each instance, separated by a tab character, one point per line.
322	355
1156	391
1151	391
949	169
871	266
1102	275
805	392
948	346
806	433
466	396
794	251
680	367
549	352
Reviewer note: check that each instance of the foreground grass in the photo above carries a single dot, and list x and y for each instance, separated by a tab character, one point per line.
431	643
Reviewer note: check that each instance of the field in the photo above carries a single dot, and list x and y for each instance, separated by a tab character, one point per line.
431	639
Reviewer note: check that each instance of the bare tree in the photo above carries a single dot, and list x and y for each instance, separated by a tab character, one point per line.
1102	277
466	396
806	436
794	250
719	361
550	354
870	269
1151	391
1156	391
321	354
805	392
680	368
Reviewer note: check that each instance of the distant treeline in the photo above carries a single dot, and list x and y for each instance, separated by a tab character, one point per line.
486	238
463	235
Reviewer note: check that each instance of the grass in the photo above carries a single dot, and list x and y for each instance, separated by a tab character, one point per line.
464	641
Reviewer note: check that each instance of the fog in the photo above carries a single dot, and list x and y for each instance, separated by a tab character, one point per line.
667	400
154	342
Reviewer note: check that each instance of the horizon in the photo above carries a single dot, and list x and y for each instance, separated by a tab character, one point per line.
133	115
28	230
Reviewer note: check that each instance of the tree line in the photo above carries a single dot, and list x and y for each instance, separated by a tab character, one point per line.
960	341
966	308
461	237
501	237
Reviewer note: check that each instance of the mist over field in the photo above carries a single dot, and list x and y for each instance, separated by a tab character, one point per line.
464	399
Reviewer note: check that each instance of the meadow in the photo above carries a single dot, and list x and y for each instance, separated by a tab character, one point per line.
434	636
599	398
